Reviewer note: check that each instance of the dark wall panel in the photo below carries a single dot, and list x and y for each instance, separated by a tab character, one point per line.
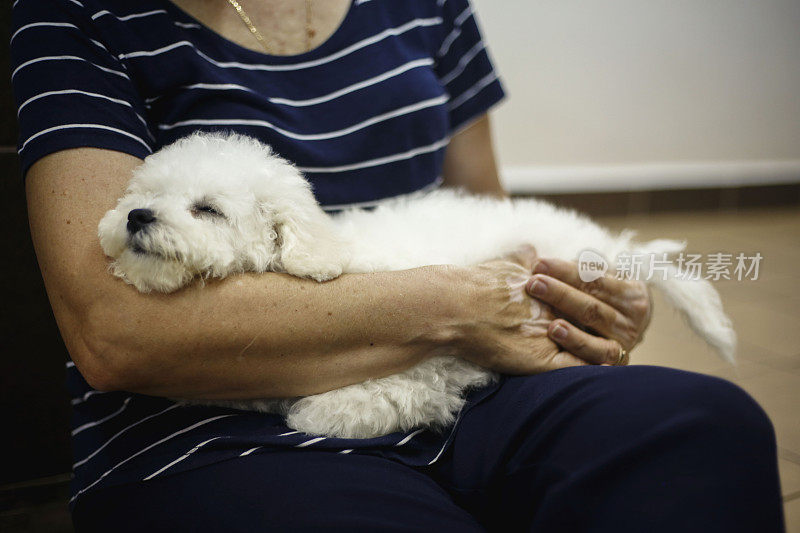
34	406
8	125
33	403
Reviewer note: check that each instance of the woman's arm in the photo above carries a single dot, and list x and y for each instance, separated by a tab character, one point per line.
268	335
469	161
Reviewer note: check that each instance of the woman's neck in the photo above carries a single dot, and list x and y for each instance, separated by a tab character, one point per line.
289	27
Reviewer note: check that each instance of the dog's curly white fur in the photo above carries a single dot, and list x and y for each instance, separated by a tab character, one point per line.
211	205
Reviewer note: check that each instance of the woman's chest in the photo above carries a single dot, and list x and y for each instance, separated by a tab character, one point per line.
359	97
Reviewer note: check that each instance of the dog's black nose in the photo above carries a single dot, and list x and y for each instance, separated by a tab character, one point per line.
140	218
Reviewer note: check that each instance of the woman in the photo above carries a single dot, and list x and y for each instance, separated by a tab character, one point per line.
372	99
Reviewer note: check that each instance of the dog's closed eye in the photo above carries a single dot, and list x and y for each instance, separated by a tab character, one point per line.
203	209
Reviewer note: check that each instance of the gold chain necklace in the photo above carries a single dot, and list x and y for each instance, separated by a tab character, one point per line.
257	34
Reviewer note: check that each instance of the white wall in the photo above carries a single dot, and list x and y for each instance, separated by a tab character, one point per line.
620	94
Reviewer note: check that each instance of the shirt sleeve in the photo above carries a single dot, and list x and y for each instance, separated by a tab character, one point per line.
463	65
71	91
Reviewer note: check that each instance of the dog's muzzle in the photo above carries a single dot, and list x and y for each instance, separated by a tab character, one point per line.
138	219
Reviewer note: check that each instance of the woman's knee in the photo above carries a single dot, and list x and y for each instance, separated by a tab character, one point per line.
622	402
646	396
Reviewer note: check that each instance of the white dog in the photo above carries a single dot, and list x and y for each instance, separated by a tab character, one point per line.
211	205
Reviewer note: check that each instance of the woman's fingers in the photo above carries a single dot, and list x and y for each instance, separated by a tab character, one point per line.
580	307
595	350
538	360
631	300
606	288
565	359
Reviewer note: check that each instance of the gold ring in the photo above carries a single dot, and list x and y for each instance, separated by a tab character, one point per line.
623	355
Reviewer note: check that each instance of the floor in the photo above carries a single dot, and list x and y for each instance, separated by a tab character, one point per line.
765	312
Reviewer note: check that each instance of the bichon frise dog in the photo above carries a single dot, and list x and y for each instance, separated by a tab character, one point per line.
211	205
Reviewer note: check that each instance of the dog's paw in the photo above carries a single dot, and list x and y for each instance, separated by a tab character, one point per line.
327	273
315	271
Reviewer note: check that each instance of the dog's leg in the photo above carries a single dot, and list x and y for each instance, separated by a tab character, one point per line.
309	245
427	395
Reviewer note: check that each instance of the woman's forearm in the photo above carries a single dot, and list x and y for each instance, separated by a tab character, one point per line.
247	336
272	335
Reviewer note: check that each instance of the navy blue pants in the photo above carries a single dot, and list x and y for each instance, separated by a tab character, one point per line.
640	449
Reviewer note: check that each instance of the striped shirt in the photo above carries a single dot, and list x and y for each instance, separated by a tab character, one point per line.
367	116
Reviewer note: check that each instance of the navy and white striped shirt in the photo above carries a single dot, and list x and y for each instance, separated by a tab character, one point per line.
366	115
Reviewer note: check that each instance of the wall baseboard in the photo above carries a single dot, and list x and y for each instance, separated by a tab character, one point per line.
649	176
623	203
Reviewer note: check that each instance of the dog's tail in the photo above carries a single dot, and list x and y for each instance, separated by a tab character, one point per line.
696	298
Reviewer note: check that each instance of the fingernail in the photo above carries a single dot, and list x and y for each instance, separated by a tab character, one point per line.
541	268
538	287
559	332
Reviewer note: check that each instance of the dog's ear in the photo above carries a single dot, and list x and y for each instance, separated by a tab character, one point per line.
309	245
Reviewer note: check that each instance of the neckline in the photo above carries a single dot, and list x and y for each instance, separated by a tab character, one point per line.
263	56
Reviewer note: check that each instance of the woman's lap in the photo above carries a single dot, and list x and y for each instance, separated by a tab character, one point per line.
292	490
623	449
600	447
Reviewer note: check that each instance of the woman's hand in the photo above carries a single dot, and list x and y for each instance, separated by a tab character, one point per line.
500	326
617	312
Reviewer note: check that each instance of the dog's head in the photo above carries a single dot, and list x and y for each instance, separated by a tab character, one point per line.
216	204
